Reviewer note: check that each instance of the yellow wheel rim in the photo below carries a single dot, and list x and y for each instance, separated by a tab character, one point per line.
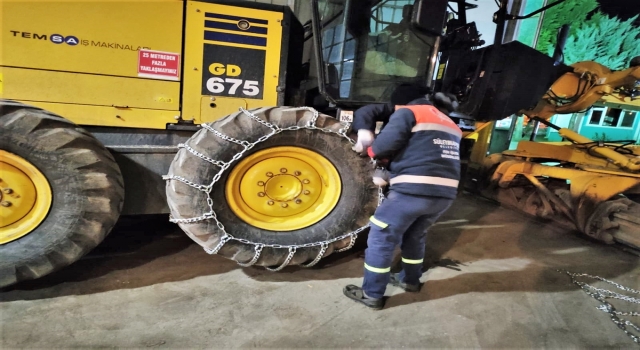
25	197
283	188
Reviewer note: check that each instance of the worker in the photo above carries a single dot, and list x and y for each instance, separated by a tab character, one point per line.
421	144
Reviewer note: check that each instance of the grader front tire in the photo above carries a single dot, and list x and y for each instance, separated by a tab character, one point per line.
86	192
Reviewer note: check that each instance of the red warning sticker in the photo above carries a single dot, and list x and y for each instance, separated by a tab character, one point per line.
158	65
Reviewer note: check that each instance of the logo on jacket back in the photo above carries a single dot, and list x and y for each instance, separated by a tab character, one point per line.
449	148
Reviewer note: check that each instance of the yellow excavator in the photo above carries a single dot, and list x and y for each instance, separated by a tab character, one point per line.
129	108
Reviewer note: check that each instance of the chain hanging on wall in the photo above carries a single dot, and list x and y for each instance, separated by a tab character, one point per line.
629	328
211	214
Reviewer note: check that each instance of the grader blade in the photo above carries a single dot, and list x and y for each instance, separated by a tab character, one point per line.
597	203
628	222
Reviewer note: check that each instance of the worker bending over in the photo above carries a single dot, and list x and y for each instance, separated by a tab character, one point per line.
421	144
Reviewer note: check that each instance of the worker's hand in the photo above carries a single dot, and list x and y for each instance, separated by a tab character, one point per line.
365	139
380	177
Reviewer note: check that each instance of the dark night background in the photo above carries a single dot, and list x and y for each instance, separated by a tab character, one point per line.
623	9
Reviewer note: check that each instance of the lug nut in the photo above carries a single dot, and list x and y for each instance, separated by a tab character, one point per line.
5	204
298	201
305	181
284	205
297	173
270	202
260	194
283	170
260	183
270	174
8	191
306	192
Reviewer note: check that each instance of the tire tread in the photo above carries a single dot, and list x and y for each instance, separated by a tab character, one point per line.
102	186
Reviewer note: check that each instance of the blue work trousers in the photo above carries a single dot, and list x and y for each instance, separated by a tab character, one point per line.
401	219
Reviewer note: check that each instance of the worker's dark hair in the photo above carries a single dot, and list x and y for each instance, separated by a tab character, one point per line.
407	92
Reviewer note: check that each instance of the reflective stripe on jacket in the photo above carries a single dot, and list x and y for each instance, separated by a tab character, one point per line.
423	145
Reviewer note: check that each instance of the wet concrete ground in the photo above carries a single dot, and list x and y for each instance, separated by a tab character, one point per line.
491	283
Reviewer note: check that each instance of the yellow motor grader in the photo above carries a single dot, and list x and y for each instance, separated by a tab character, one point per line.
591	186
164	106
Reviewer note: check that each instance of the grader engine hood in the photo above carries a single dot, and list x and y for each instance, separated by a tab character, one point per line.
89	38
84	60
495	82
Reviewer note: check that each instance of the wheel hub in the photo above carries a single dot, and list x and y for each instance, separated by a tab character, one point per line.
283	188
25	197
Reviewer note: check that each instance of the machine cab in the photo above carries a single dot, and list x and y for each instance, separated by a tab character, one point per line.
367	48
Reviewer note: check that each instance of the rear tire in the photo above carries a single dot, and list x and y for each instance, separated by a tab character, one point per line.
357	202
86	186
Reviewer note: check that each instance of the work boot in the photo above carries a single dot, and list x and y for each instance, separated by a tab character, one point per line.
411	288
357	294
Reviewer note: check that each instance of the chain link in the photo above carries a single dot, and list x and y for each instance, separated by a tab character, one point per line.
323	249
257	251
203	217
201	156
292	251
211	215
245	144
259	120
217	248
381	196
602	295
351	243
186	182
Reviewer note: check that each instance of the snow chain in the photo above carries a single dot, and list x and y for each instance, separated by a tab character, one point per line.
211	214
602	294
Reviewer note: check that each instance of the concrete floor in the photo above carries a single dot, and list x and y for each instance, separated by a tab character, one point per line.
492	283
